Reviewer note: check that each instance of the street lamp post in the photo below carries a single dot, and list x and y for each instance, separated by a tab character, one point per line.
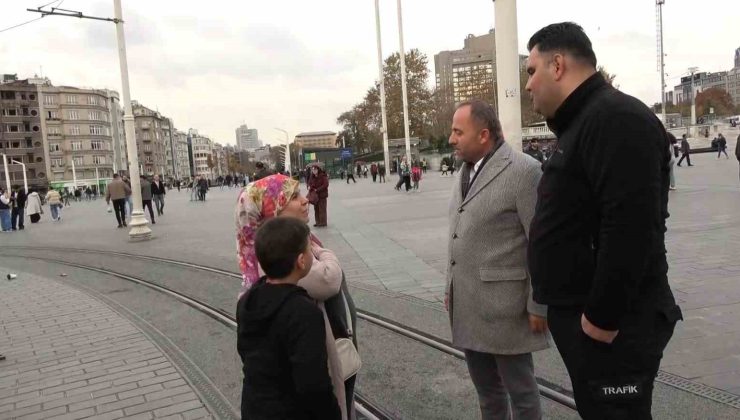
7	173
692	71
287	150
381	75
507	72
139	224
403	85
25	178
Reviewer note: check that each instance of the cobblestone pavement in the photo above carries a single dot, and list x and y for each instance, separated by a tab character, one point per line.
70	356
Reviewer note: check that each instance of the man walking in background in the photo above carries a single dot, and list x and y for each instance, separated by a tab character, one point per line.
685	151
488	295
146	197
117	191
158	192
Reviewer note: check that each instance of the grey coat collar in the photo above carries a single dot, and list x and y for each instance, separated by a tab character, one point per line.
498	162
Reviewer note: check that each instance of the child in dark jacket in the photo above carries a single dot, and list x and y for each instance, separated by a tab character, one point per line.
281	332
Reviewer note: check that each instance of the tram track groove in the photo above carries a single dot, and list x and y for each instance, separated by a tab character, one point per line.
547	389
363	405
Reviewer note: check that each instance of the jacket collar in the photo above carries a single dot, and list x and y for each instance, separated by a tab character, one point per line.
488	172
573	104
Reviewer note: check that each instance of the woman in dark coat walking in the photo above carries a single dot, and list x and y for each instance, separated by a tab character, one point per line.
319	183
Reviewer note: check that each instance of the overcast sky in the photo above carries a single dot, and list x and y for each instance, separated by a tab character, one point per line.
296	64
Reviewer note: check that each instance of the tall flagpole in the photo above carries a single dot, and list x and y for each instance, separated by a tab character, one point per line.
381	75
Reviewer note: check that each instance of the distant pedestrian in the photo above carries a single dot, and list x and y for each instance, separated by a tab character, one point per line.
685	150
55	204
737	148
444	168
404	173
381	173
416	177
722	146
146	197
5	224
158	193
424	165
534	151
18	208
194	196
202	188
65	197
351	175
320	185
364	171
374	171
452	166
359	170
129	198
33	206
117	191
78	194
177	184
88	193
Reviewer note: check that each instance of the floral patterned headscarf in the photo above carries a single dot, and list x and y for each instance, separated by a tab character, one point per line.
259	201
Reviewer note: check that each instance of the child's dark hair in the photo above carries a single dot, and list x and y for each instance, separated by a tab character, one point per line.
278	243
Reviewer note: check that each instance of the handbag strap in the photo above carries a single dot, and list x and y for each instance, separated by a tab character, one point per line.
349	315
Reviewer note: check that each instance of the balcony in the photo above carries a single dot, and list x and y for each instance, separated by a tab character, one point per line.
539	132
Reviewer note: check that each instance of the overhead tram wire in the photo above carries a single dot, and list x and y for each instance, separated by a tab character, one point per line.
59	3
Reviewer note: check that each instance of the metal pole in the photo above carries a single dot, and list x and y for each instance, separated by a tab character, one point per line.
403	85
693	70
662	63
7	173
97	181
507	72
74	173
139	224
25	178
381	75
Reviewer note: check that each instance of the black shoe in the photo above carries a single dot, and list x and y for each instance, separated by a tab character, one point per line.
690	164
153	222
2	357
120	225
124	224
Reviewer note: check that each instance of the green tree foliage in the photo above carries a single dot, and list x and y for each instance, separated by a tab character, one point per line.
717	99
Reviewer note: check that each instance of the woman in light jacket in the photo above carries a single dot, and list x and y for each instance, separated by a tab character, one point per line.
279	195
33	206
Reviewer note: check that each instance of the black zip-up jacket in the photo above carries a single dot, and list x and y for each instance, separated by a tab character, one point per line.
282	343
158	189
597	239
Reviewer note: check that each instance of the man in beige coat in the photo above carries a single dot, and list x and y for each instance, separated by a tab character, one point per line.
489	296
117	191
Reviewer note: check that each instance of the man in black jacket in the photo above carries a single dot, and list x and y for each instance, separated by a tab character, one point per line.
685	151
17	208
597	239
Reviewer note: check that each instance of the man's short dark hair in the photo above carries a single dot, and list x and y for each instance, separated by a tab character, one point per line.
116	176
483	113
259	165
278	243
564	37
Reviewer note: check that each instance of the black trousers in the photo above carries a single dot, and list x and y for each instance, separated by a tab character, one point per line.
119	206
613	381
350	176
148	203
16	217
686	156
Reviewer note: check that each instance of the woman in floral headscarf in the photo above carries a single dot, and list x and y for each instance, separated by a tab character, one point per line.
280	196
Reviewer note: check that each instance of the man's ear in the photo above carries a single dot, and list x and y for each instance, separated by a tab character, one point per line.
559	65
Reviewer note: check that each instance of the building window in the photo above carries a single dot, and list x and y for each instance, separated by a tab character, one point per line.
74	115
96	129
92	100
75	130
97	145
55	147
7	95
10	112
53	131
95	115
57	162
99	160
78	161
145	135
76	145
49	100
52	115
71	99
12	128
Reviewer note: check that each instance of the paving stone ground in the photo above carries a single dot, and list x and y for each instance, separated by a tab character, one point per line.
69	356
